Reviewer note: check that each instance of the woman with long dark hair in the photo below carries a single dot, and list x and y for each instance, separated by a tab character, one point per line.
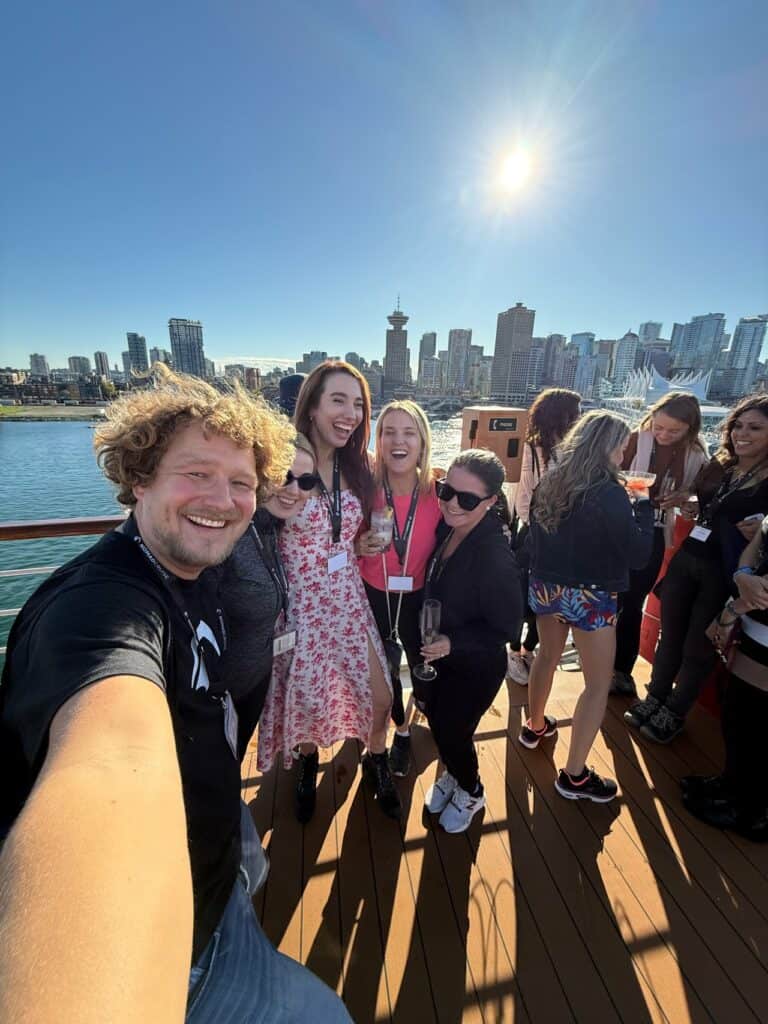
666	443
731	497
586	536
473	574
551	416
335	685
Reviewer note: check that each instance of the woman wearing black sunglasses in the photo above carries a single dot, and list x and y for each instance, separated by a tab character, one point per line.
474	575
254	591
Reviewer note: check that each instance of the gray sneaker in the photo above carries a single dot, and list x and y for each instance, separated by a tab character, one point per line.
642	711
623	685
662	726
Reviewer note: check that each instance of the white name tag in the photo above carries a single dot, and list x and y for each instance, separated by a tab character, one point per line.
284	642
700	533
337	562
400	584
230	723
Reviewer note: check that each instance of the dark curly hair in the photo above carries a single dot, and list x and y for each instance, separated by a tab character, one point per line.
551	416
710	476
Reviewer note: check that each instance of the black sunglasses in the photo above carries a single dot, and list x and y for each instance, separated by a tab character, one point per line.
305	482
466	499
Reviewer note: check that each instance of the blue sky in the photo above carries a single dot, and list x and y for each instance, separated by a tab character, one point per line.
282	171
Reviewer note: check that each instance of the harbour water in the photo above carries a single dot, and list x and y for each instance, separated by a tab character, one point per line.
49	472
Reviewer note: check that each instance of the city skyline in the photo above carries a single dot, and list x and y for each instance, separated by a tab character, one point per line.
329	157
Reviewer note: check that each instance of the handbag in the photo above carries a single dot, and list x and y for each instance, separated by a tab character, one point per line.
724	632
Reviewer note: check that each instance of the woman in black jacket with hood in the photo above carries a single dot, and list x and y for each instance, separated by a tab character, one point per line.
474	575
586	536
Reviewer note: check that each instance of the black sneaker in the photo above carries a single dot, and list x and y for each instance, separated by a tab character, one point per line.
662	726
531	737
623	685
590	786
642	711
400	755
700	787
376	771
306	794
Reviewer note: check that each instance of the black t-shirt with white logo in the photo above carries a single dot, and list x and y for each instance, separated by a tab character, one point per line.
109	613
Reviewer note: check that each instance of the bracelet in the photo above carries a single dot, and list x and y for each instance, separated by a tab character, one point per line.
744	570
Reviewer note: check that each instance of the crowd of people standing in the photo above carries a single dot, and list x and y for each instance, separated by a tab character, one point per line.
274	575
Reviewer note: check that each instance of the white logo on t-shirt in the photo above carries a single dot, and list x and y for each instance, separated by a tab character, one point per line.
200	679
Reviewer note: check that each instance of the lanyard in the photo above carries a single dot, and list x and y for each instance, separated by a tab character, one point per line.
334	503
274	566
400	540
725	490
436	565
393	629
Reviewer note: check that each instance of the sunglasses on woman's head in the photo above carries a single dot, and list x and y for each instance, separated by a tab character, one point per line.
466	499
305	482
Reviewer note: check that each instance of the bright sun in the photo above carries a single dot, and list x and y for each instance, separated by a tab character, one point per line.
516	171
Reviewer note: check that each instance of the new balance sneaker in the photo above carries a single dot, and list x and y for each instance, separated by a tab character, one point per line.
662	726
376	771
587	786
400	755
642	711
518	668
440	793
623	685
461	809
531	737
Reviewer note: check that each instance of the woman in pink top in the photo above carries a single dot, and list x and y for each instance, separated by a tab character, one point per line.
394	579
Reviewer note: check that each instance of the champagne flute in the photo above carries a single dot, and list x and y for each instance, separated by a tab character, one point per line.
429	623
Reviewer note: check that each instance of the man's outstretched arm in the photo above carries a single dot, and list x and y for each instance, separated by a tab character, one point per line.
95	885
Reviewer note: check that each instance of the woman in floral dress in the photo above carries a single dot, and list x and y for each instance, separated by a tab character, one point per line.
333	683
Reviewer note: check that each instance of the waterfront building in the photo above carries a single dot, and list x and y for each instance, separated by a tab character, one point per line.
749	339
397	357
38	365
566	368
554	344
187	346
126	357
431	375
649	331
310	360
79	365
160	355
585	378
584	342
459	341
354	360
696	345
514	368
624	360
101	362
137	352
427	350
253	378
210	369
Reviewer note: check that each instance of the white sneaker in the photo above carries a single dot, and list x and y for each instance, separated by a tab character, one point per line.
461	809
517	668
440	793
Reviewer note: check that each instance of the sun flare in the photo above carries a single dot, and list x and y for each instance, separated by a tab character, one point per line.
516	171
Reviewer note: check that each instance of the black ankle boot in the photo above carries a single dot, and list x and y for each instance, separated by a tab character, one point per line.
376	771
306	794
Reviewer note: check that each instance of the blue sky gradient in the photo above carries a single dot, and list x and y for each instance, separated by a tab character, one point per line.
281	172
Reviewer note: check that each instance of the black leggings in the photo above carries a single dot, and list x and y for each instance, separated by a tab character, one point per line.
460	696
408	628
631	607
692	594
745	716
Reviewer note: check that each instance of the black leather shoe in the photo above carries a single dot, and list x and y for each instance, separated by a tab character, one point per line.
376	771
306	792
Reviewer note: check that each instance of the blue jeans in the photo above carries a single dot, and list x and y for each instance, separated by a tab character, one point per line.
241	978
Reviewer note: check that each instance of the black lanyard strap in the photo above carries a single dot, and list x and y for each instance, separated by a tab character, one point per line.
725	490
400	539
273	563
334	500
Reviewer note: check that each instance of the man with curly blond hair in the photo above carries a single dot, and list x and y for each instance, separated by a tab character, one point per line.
128	867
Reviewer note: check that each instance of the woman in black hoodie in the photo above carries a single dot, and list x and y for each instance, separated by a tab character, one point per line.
586	536
474	575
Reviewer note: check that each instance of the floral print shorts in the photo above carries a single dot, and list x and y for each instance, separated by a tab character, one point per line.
574	606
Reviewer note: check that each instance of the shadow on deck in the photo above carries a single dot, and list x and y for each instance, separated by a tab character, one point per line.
544	910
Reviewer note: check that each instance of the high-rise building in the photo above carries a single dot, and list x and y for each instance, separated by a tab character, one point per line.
310	360
512	376
354	360
137	349
585	378
101	362
566	368
126	357
649	331
458	359
584	342
431	374
80	365
553	347
396	357
427	350
697	344
744	353
624	360
38	365
187	346
210	369
160	355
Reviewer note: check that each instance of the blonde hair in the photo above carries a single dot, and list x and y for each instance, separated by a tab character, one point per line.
421	423
583	463
141	424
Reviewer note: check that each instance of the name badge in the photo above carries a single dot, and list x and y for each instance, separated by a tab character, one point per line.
400	584
337	562
283	642
230	722
700	533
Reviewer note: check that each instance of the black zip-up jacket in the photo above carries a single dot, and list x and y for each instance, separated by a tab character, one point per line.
597	544
479	589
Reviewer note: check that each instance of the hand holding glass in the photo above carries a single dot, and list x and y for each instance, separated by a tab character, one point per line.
638	484
429	622
382	525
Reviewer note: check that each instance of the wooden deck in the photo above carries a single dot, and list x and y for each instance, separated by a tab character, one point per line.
544	910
